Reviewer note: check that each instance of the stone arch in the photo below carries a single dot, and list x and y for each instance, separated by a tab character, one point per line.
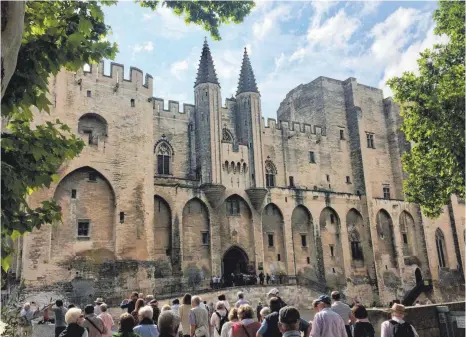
232	167
357	238
227	136
162	228
235	260
164	157
270	173
88	205
329	223
273	239
385	238
245	168
305	256
440	245
238	167
196	235
93	125
408	235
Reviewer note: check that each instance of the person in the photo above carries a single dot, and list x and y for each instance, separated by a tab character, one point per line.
26	316
168	324
223	298
396	326
265	311
166	307
185	308
327	323
60	312
241	299
94	325
198	319
269	326
267	278
71	306
74	320
146	327
361	327
176	306
288	322
343	310
246	327
258	311
214	282
219	317
126	326
148	299
107	319
97	303
261	278
272	278
156	310
131	303
274	292
418	304
135	312
232	319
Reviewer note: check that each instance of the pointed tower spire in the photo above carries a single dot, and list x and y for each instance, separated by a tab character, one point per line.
206	71
247	81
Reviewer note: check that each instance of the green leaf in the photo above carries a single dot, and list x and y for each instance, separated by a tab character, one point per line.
85	26
6	262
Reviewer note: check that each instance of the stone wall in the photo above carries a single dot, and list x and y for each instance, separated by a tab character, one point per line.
424	318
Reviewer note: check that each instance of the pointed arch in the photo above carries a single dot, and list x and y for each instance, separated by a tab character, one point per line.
385	237
164	153
270	173
93	125
162	227
408	234
304	244
227	136
354	223
235	205
273	238
441	248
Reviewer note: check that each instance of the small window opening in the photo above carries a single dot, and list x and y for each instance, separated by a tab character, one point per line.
73	194
205	238
386	267
92	176
167	252
308	260
342	134
386	192
332	218
89	93
312	157
133	103
348	180
291	181
370	140
278	257
83	228
286	199
303	241
270	238
333	270
332	251
405	238
328	177
122	217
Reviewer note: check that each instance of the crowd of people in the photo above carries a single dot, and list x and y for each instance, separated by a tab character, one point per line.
240	279
196	318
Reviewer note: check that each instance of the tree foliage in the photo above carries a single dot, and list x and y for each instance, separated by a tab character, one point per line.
61	34
433	107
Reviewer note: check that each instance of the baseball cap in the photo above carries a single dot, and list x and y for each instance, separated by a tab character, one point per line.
288	315
273	292
324	299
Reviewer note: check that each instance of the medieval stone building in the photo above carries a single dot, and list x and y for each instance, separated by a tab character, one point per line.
157	191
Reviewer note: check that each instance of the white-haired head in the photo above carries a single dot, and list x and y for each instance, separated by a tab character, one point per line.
26	306
168	323
73	315
146	312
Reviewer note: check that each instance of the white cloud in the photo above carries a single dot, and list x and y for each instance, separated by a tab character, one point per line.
146	46
262	28
168	24
370	7
178	68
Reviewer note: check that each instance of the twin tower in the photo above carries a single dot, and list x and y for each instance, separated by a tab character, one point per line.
210	122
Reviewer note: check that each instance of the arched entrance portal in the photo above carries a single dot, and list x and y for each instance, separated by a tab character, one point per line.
234	263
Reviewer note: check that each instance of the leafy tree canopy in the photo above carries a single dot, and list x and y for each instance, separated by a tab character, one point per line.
433	107
61	34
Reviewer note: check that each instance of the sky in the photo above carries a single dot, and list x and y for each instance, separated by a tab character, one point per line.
289	43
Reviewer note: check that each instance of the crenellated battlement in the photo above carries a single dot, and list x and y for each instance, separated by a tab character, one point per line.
137	81
294	126
172	108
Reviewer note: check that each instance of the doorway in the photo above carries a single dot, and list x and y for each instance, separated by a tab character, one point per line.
234	262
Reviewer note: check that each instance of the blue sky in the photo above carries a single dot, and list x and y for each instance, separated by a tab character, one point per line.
289	43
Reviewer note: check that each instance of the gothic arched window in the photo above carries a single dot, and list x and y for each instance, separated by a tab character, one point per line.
270	172
163	158
355	241
227	137
440	243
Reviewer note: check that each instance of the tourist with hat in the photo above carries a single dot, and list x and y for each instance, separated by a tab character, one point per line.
396	326
289	321
327	323
274	292
97	303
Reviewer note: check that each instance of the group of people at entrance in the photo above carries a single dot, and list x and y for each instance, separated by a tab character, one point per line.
195	318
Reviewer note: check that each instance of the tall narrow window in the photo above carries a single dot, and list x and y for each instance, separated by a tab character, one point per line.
83	228
308	260
270	172
370	140
163	159
291	181
205	238
312	157
332	218
328	177
342	134
356	249
332	253
405	238
73	194
270	239
132	102
440	243
122	217
232	205
89	93
303	240
278	257
386	192
348	180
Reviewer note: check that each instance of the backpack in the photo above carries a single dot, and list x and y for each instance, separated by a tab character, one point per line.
367	330
402	330
223	320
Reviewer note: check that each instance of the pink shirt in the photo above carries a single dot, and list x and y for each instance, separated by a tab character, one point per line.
108	322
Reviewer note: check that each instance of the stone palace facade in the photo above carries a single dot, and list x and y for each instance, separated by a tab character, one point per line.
158	190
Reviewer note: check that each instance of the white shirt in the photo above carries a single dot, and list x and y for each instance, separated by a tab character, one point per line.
343	310
387	328
215	321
